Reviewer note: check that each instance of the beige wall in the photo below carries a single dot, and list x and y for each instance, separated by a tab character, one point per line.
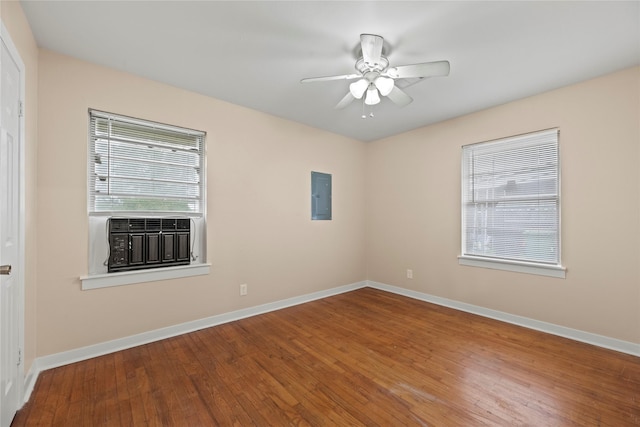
259	227
413	208
20	32
259	230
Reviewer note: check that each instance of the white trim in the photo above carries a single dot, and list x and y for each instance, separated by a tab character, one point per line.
76	355
30	381
5	38
550	328
536	268
144	122
519	267
98	281
520	137
95	350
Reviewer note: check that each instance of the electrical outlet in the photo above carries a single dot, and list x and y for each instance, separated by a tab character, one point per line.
409	274
243	289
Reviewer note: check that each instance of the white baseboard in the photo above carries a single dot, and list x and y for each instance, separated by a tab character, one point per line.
30	381
76	355
550	328
64	358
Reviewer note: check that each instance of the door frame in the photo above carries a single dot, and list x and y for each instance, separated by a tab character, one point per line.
5	38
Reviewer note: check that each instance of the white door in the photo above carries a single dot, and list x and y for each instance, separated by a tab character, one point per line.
10	282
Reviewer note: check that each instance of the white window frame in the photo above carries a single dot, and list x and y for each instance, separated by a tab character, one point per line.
545	268
98	239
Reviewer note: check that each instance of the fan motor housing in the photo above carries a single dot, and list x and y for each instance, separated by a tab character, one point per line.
364	67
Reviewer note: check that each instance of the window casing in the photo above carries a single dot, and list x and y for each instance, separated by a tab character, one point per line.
138	168
511	202
141	166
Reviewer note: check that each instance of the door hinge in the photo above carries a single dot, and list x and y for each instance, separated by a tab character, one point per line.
20	109
19	356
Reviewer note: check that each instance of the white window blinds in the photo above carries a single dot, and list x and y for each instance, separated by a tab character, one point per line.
140	166
510	199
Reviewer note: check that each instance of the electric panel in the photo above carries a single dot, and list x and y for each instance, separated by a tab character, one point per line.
320	196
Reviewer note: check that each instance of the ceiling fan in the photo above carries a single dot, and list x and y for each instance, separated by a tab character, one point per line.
376	78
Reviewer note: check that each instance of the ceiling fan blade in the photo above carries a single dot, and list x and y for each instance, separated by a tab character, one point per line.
348	98
371	48
399	97
329	78
426	69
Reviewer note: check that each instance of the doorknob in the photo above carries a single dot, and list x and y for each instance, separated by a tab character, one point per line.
5	270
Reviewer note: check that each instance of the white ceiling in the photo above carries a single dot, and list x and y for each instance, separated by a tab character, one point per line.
255	53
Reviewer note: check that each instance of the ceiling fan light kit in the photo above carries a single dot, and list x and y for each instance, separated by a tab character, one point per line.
384	85
358	88
372	96
376	78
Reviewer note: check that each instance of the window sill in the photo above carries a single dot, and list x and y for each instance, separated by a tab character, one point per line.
519	267
98	281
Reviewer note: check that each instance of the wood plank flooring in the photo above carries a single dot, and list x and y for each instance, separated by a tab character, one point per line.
365	357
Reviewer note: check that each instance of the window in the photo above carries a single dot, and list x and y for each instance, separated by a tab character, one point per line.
511	204
145	170
140	166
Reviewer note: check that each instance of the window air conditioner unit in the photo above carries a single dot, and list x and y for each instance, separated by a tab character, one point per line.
140	243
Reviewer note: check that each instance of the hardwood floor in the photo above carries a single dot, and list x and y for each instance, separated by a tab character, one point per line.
366	357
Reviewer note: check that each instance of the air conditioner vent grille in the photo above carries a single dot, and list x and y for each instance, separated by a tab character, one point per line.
153	224
141	243
137	224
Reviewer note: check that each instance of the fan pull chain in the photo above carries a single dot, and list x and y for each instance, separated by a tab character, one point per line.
364	114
